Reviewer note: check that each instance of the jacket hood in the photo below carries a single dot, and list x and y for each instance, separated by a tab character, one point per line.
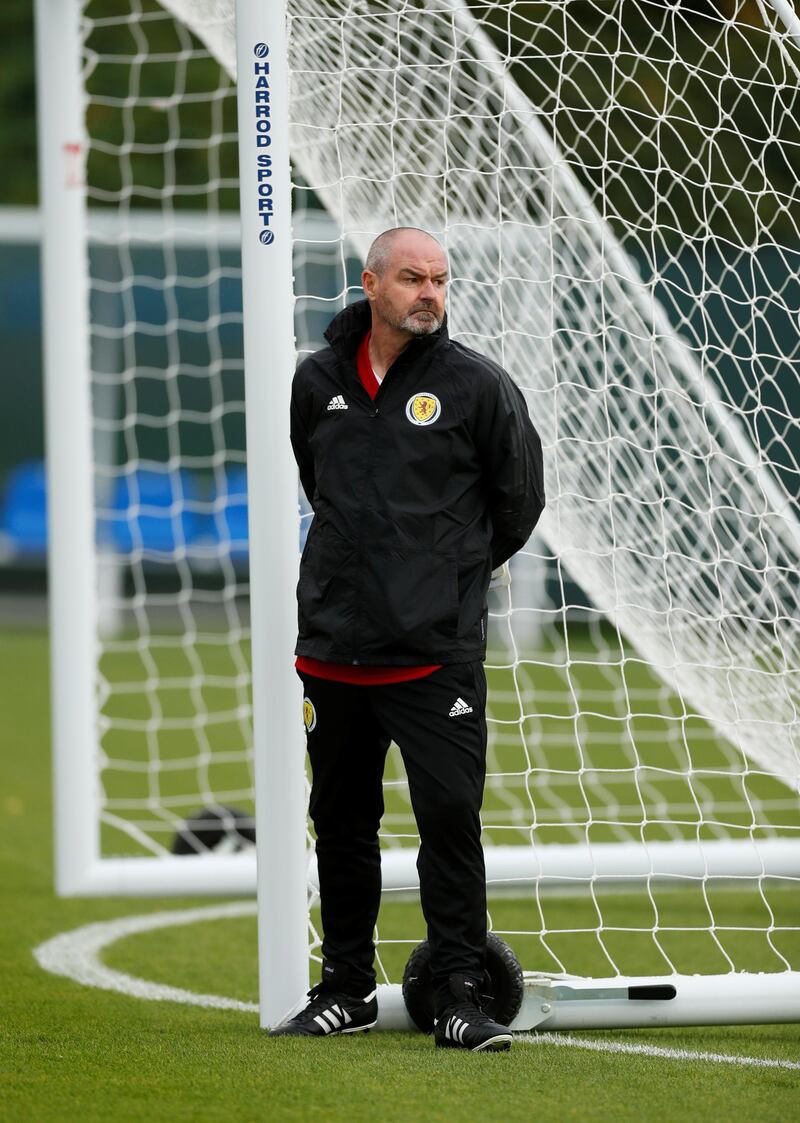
348	328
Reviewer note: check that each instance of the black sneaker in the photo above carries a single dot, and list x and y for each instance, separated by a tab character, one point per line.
330	1009
462	1024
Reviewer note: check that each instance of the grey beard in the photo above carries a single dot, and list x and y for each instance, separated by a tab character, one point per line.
414	327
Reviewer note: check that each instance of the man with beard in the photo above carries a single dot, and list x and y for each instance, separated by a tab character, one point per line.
424	473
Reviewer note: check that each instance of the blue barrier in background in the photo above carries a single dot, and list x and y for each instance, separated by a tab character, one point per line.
152	510
23	512
230	514
156	512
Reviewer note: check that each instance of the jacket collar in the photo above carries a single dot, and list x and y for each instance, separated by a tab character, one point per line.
348	328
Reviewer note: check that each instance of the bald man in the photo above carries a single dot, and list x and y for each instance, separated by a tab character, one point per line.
424	473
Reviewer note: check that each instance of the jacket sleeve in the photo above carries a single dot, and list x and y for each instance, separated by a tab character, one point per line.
299	427
511	452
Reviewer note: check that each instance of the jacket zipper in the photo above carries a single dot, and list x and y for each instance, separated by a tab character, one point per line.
374	411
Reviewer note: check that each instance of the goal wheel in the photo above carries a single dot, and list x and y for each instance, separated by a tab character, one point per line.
503	983
217	828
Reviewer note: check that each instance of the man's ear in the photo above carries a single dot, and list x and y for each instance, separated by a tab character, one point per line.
368	280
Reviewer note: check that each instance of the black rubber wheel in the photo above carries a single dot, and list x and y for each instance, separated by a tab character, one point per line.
503	984
215	828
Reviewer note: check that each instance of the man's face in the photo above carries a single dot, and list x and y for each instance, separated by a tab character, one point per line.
410	293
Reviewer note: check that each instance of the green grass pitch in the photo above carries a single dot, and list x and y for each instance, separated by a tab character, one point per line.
72	1052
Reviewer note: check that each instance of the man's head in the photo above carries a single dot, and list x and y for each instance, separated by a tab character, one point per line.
405	280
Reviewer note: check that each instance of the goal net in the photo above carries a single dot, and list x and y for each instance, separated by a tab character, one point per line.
616	188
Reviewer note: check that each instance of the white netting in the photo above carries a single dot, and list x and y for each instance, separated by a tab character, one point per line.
174	674
616	188
660	506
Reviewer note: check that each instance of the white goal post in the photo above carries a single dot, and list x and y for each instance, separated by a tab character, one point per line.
618	244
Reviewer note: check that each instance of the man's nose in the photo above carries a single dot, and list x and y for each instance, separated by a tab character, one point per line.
427	292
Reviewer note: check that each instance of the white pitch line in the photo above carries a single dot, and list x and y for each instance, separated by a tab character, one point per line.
76	955
651	1050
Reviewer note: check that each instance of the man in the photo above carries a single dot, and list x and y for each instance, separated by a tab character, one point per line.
424	473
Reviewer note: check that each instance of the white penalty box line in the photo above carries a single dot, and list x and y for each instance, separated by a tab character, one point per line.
634	1048
76	955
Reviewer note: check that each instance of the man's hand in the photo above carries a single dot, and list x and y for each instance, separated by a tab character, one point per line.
500	577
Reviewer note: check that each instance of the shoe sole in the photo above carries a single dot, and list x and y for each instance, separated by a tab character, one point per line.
354	1029
500	1043
333	1033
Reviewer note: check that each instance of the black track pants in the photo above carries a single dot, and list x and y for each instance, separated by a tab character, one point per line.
349	731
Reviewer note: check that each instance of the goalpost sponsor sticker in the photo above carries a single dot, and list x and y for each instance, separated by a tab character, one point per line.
263	116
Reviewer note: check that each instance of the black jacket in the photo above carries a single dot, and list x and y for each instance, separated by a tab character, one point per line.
417	496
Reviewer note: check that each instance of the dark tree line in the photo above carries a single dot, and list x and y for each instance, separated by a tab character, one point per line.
679	146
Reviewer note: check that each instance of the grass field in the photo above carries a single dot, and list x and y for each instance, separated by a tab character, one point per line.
73	1052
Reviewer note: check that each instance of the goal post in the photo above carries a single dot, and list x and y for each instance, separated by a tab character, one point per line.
626	244
267	280
68	434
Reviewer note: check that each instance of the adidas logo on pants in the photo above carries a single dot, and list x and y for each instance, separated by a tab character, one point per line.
460	707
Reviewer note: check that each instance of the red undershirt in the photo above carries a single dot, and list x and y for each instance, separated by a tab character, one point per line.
346	672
